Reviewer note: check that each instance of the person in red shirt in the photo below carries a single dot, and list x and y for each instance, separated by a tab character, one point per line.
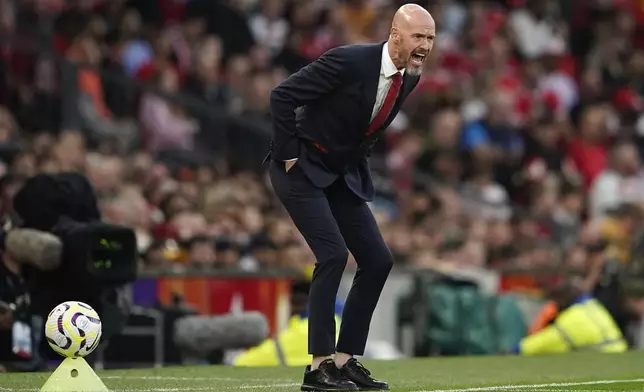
588	150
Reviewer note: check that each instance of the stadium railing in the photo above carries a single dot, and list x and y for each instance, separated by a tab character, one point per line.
156	331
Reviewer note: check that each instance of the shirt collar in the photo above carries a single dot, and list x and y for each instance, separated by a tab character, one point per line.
387	67
582	298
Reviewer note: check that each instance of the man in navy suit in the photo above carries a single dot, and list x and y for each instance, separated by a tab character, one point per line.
326	118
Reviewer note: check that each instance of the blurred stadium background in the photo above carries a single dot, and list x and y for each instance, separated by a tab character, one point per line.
516	162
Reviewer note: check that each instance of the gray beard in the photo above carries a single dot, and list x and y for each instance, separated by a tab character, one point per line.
414	71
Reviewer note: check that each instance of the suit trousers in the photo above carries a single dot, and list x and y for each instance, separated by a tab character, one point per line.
333	222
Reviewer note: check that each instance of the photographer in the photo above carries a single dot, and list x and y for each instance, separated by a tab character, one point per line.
93	261
16	346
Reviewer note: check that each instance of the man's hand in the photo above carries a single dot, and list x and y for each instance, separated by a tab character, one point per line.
6	320
289	163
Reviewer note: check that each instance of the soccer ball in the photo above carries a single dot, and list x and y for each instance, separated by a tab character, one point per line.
73	329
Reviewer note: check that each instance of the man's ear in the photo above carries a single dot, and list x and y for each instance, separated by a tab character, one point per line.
394	35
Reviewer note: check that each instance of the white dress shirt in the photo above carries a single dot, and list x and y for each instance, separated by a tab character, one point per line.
387	70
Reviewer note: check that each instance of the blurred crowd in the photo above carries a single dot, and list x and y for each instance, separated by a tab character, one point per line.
521	146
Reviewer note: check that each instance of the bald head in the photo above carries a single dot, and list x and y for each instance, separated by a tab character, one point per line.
411	39
410	14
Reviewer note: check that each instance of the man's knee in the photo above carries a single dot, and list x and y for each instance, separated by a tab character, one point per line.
338	257
382	264
331	264
330	253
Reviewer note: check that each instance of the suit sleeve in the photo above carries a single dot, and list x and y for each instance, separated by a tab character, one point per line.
301	88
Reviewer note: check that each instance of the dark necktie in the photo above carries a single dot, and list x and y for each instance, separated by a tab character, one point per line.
390	100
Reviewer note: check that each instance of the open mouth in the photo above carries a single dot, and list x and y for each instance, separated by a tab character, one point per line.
418	58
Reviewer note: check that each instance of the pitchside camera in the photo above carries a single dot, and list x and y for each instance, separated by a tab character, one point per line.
104	254
68	253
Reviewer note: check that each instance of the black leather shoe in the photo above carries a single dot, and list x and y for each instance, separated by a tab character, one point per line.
354	371
327	377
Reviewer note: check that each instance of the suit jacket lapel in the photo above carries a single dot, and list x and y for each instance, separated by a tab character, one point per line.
372	64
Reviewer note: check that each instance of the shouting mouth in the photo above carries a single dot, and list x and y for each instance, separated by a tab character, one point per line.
418	58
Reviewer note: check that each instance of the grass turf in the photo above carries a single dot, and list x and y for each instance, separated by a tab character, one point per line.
573	372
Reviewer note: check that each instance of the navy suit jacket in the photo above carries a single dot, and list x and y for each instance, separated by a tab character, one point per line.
322	112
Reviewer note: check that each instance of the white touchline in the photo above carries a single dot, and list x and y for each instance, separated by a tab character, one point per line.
284	385
268	384
540	387
176	389
162	389
537	386
589	390
171	378
124	390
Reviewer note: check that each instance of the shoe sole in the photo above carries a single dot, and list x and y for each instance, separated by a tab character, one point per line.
311	388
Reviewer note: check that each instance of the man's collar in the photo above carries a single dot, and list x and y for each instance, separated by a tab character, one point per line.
387	67
582	298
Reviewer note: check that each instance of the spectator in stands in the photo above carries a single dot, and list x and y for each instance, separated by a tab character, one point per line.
269	27
618	229
135	52
566	216
498	243
239	69
440	159
69	151
534	28
227	253
41	97
494	138
257	96
543	159
189	224
588	150
131	207
484	197
621	182
261	253
105	173
205	80
357	16
166	126
162	255
556	80
201	252
97	117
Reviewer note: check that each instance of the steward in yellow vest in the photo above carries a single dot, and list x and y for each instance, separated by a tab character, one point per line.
580	322
585	325
290	348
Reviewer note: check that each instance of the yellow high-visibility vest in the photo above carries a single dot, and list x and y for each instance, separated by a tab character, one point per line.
290	348
585	326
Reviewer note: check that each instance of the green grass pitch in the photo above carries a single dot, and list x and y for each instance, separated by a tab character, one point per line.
573	372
